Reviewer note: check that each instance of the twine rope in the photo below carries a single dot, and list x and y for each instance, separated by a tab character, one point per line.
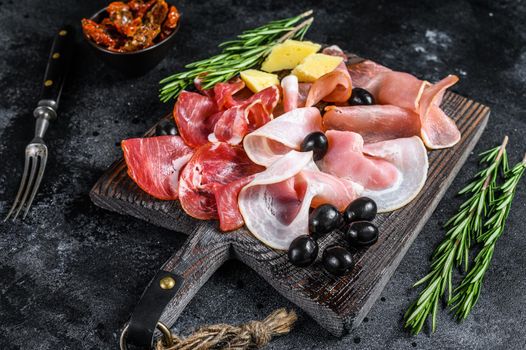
252	335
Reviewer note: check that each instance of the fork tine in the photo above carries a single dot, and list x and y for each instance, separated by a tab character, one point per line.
20	188
29	185
41	168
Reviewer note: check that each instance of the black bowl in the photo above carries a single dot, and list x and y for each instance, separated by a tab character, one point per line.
134	63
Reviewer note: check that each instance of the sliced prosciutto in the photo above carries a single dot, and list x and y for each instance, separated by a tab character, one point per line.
290	87
373	122
335	86
194	115
211	165
278	137
227	119
345	158
226	196
392	172
275	205
438	130
406	91
154	164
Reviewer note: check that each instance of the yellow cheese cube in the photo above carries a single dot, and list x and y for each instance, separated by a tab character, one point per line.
314	66
257	80
288	55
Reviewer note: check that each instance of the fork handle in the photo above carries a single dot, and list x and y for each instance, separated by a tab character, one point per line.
56	70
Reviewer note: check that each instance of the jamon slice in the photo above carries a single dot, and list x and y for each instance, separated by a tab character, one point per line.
406	91
409	156
392	172
335	86
345	159
290	87
226	196
211	164
237	121
275	205
438	130
224	93
192	113
281	135
154	164
373	122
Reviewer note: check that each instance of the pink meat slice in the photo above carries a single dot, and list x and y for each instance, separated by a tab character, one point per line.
406	91
373	122
335	86
290	88
345	159
192	113
279	136
154	163
275	205
226	196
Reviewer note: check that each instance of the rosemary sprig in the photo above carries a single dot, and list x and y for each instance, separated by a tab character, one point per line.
462	229
248	50
467	293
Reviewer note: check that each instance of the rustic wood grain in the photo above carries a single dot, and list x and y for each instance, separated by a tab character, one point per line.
337	304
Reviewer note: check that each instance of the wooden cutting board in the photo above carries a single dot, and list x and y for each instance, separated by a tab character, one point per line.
338	304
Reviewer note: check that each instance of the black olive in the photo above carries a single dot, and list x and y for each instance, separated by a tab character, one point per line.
362	208
361	96
316	142
337	260
303	251
165	127
361	233
324	219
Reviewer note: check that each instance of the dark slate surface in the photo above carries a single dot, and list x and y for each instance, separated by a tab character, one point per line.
71	272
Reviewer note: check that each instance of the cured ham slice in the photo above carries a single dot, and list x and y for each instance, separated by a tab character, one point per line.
275	205
236	122
290	87
335	86
226	196
373	122
406	91
279	136
154	164
197	116
409	156
345	159
438	130
192	113
211	165
392	172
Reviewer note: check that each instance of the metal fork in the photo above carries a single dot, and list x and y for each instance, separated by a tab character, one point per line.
46	111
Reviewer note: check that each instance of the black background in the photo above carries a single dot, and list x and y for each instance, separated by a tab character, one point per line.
71	272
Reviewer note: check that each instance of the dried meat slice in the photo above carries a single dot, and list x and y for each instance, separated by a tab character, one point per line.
373	122
154	164
335	86
438	130
345	159
194	115
224	93
275	205
392	172
279	136
226	196
290	87
211	164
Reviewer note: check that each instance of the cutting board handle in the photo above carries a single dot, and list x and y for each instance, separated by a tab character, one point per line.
176	284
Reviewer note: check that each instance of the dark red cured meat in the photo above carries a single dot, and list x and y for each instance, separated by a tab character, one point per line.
239	120
224	93
197	115
211	164
230	217
154	163
192	113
